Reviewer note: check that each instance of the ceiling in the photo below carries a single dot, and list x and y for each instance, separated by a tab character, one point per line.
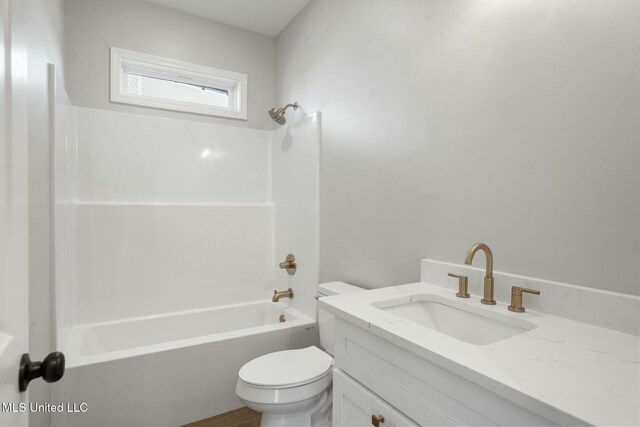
262	16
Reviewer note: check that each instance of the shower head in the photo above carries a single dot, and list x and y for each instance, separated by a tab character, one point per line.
277	114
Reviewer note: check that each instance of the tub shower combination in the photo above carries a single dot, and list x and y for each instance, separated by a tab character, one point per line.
169	236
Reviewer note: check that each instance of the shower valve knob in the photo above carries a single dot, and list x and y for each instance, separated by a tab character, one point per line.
51	369
289	264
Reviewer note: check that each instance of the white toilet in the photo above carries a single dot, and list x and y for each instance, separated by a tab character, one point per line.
293	387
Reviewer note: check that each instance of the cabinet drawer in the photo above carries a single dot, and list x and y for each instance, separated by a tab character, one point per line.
354	405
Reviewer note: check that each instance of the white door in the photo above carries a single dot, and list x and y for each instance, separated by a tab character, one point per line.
13	211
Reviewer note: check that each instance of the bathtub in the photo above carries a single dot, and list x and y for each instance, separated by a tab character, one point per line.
101	342
170	369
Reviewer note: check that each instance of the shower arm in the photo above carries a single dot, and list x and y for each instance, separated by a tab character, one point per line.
294	105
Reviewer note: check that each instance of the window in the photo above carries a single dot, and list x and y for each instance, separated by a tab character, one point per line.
152	81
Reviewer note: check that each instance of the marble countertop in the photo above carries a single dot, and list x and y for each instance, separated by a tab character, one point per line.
566	371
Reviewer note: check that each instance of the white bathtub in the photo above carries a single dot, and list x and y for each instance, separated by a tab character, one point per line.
170	369
101	342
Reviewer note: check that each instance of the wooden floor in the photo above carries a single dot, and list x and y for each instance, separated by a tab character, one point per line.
243	417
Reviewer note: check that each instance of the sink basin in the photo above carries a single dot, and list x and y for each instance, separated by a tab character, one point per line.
460	321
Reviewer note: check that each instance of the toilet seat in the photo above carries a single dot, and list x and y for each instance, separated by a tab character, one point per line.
289	368
285	376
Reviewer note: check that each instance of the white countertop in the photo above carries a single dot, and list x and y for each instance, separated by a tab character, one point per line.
562	369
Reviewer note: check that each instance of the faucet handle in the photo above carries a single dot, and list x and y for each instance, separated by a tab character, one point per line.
463	285
516	298
289	264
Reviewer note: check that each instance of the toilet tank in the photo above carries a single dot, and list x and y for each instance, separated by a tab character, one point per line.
326	320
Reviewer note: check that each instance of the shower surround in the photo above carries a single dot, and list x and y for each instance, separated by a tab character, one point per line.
162	225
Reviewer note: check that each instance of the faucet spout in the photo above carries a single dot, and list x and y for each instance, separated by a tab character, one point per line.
487	253
488	275
282	294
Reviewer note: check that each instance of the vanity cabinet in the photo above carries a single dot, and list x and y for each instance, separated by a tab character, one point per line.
375	377
354	405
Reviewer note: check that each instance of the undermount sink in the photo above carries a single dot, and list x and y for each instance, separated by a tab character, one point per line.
465	323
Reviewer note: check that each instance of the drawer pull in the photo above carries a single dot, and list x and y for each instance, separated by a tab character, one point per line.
376	420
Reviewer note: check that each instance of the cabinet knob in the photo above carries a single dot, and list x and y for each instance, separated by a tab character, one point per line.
376	420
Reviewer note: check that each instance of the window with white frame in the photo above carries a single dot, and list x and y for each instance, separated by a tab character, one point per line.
153	81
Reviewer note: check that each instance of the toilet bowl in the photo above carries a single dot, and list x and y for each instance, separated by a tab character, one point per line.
293	387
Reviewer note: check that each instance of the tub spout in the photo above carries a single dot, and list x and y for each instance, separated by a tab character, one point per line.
282	294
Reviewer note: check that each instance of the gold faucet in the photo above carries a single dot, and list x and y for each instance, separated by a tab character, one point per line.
516	298
282	294
488	275
463	285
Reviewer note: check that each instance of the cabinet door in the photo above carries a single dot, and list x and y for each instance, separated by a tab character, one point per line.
354	405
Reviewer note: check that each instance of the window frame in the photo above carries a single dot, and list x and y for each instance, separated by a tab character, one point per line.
122	59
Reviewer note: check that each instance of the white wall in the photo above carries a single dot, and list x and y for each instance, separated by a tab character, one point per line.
157	215
139	260
451	122
65	237
295	167
93	26
142	159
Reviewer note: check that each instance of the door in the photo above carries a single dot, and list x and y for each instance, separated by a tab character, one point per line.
13	211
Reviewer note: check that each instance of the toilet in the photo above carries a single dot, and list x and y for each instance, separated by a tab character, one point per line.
293	387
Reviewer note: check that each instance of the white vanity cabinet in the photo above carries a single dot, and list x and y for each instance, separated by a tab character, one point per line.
354	405
374	377
433	359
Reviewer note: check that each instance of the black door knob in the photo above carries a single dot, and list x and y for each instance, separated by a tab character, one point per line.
51	369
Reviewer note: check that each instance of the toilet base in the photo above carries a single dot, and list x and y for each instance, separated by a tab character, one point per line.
319	415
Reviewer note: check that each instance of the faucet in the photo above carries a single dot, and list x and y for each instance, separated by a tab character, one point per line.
488	275
282	294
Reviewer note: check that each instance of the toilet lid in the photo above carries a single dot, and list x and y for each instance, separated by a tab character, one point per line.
286	368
